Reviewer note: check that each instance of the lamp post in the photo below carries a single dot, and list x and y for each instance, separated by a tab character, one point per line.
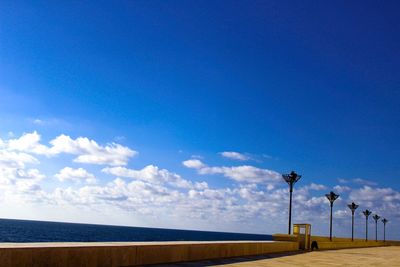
353	208
331	197
366	213
376	217
290	179
384	229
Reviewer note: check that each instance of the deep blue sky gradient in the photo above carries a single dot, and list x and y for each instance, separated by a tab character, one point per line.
314	84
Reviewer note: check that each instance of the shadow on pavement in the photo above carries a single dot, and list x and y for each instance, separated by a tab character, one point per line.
228	260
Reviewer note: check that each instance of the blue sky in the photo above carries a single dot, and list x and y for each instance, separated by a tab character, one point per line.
310	86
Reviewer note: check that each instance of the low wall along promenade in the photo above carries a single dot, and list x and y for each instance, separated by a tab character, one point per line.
338	242
115	254
342	243
131	254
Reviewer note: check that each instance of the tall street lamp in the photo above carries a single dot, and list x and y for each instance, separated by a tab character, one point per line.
384	229
353	208
290	179
331	197
376	217
366	213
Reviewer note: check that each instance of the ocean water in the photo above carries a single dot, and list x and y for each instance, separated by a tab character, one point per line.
39	231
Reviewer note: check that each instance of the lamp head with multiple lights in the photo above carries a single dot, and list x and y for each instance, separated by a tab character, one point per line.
332	197
367	213
352	207
291	178
376	217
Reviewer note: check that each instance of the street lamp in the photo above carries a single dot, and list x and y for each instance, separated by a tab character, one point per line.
331	197
376	217
366	213
384	229
290	179
353	208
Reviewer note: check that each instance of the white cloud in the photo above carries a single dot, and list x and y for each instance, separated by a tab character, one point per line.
89	151
341	188
367	193
234	155
28	142
363	182
245	173
356	181
193	164
137	196
75	175
316	187
315	201
16	159
15	178
153	174
270	187
19	185
15	174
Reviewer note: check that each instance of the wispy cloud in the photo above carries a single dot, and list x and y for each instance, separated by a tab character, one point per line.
356	181
363	182
235	155
38	121
244	173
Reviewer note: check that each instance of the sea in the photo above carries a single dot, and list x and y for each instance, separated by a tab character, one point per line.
41	231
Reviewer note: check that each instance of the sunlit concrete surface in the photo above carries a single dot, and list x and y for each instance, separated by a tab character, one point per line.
377	256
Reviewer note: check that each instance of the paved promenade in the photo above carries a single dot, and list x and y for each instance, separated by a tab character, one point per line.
378	256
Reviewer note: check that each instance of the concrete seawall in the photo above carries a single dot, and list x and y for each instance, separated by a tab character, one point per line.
341	243
338	242
118	254
131	254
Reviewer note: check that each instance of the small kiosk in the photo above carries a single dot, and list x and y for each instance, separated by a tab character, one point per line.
303	231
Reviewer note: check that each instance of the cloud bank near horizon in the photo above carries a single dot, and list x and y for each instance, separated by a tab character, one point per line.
98	179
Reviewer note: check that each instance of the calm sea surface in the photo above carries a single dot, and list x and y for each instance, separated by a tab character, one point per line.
38	231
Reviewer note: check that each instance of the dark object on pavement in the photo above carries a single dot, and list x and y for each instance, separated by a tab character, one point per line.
314	245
